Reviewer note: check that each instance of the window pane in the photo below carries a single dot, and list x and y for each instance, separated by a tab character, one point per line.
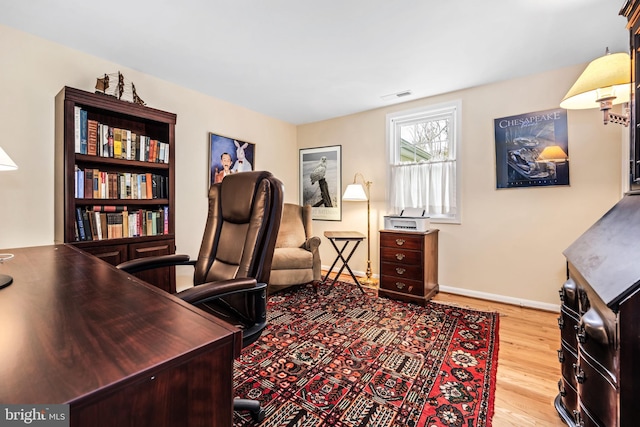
425	140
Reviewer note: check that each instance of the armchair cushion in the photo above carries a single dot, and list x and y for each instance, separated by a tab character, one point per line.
291	258
291	233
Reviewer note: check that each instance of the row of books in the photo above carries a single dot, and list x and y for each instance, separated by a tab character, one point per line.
98	139
97	184
114	222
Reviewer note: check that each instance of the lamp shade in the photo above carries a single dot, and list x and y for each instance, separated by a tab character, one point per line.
553	153
6	164
604	78
354	193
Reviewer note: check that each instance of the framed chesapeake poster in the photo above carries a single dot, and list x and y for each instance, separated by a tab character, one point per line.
532	149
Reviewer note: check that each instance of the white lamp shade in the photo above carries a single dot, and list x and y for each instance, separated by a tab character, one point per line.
6	164
605	77
354	193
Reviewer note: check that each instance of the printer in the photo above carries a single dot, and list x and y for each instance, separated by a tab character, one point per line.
410	219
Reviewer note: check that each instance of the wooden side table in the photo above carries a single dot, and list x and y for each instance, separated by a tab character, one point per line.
346	237
409	265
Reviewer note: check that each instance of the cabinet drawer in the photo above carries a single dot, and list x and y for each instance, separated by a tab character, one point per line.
400	256
163	278
568	359
568	395
596	334
397	240
568	324
597	393
401	270
396	284
113	254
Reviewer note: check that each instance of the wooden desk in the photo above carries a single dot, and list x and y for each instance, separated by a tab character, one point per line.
119	351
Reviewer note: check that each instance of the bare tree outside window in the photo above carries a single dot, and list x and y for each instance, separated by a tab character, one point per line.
426	141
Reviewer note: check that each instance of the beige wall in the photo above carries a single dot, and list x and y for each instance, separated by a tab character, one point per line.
509	245
33	72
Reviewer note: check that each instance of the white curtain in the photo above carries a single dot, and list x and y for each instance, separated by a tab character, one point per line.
426	185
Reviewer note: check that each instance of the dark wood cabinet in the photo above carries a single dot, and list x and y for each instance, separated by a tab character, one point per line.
600	322
409	265
111	114
631	11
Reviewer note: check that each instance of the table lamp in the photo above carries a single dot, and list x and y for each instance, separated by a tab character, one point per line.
356	193
553	153
6	164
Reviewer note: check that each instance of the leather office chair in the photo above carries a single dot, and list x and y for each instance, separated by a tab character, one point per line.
234	262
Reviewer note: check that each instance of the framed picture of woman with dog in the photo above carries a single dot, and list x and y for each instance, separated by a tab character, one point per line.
227	156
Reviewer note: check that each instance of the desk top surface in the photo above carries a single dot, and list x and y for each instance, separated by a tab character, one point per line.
344	235
72	324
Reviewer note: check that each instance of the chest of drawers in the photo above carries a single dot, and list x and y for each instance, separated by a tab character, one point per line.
600	323
409	265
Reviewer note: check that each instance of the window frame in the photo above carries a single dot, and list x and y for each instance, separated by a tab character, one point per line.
426	112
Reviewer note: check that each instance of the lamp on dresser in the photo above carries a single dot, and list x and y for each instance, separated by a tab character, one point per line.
6	164
355	192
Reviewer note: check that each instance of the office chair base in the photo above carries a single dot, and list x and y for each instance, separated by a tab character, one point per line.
253	406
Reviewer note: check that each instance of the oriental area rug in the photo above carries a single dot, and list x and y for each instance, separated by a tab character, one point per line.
350	360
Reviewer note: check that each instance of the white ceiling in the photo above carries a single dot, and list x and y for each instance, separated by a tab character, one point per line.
307	60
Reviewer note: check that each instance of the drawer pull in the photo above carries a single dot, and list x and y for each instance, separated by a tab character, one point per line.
580	332
579	372
400	285
400	270
560	323
399	257
561	389
560	356
400	242
577	416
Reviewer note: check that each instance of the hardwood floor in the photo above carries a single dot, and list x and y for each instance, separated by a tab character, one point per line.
528	367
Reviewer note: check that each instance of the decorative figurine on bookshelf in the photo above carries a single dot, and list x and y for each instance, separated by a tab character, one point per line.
124	89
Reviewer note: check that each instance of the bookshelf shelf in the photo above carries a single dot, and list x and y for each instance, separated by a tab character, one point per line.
114	179
95	160
121	202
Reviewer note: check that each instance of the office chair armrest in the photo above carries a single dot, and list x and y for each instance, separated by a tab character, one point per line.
148	263
215	290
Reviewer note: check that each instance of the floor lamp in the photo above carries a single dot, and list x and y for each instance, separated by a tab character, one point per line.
6	164
356	193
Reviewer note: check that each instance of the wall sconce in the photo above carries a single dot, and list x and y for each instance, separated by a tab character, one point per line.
356	193
6	164
604	83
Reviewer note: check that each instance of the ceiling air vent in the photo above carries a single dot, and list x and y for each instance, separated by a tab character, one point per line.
396	95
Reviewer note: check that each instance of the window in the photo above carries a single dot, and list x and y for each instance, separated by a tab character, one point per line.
422	146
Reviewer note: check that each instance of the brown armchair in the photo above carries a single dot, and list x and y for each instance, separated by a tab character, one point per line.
296	259
234	262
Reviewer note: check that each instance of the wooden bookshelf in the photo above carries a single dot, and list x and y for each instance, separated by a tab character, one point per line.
149	226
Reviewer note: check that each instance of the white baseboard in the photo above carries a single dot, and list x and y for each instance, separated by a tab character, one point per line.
501	298
476	294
